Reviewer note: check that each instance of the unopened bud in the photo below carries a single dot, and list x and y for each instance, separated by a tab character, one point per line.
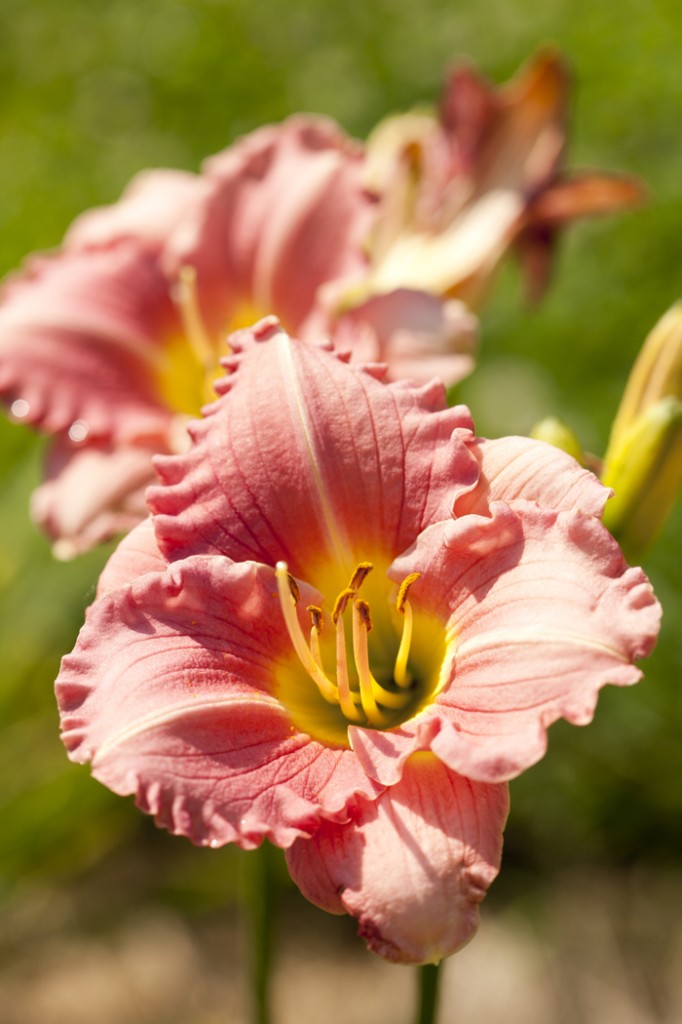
556	433
657	373
645	471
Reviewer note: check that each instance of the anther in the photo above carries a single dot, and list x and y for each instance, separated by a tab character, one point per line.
363	611
293	586
317	623
341	602
360	574
315	613
403	589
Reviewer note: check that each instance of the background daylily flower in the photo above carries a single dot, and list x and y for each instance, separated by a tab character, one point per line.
104	344
94	351
112	341
348	624
460	187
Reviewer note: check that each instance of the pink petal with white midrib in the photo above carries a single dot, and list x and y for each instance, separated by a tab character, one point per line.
307	459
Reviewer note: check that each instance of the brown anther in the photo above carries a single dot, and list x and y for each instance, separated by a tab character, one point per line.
293	588
341	602
363	612
316	617
360	574
404	587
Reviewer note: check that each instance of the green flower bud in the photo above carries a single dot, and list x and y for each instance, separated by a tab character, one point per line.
644	468
554	432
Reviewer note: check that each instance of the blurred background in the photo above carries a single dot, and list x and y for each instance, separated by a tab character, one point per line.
102	917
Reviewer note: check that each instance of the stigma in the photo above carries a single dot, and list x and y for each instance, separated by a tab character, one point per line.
351	685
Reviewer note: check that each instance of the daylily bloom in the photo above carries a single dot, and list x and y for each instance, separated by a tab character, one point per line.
461	186
110	342
103	344
348	623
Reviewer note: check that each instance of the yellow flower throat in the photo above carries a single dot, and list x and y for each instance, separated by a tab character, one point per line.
352	693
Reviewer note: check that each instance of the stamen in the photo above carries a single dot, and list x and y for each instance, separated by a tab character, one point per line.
194	327
363	611
403	589
369	705
293	588
400	673
388	698
317	623
288	601
346	701
340	604
360	574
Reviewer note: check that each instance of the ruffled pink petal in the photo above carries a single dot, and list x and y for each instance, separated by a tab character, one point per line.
384	753
287	213
90	494
81	335
519	468
543	611
148	211
417	335
412	866
169	693
137	554
306	457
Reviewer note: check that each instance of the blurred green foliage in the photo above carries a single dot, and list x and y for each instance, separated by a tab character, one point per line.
91	91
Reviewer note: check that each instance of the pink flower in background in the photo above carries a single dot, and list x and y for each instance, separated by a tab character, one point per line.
104	345
348	624
112	341
461	187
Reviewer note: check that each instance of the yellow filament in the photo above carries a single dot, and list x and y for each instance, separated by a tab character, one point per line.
346	701
369	705
288	603
400	673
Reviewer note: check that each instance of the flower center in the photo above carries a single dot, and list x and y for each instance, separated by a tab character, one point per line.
352	688
189	364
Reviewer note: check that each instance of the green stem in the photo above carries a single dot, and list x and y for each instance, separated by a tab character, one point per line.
261	891
428	994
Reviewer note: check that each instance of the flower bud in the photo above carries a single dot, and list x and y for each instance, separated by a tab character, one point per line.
643	462
556	433
657	372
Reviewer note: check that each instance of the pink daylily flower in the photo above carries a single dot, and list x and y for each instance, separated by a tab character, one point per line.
110	343
461	187
93	351
348	623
